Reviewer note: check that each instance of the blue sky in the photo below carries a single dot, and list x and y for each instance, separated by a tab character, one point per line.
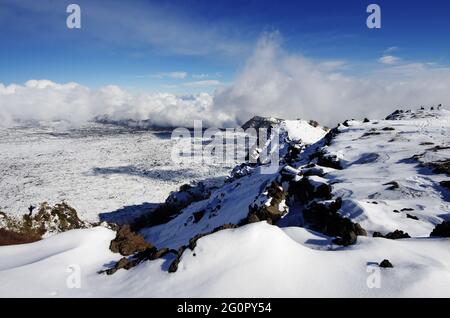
188	46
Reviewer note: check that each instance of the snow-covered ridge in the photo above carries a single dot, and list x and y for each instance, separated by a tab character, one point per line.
327	214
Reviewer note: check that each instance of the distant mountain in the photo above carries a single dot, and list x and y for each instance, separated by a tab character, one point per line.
258	122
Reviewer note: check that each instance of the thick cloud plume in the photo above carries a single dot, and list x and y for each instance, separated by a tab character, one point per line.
275	83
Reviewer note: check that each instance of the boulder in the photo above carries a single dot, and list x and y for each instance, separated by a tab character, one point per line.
127	242
386	264
324	217
397	234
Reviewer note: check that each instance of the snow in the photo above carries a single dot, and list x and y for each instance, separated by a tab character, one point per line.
302	130
258	260
95	168
372	161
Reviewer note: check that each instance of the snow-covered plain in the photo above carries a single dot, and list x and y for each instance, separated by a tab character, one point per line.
262	260
95	168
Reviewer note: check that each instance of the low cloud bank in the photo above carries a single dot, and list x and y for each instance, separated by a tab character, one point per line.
43	100
272	83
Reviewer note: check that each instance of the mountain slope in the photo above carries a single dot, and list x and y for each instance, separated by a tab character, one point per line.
320	225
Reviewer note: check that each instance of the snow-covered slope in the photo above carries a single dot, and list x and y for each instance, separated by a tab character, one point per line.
307	229
383	182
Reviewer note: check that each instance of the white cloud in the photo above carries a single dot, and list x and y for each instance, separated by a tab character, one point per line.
204	76
391	49
46	100
276	83
205	83
272	83
389	59
175	75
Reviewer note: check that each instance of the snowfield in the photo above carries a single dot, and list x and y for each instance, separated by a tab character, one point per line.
257	260
95	168
380	169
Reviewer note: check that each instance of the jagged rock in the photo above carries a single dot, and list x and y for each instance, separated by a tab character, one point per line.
328	139
59	218
324	217
442	166
442	230
313	123
271	212
293	153
413	217
313	170
309	188
122	263
397	234
366	120
174	265
148	254
395	115
48	220
386	264
393	185
127	242
327	160
258	122
388	128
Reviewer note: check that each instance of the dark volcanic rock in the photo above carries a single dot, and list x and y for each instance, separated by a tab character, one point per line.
413	217
270	213
386	264
258	122
324	217
441	230
397	234
328	160
306	190
442	166
393	185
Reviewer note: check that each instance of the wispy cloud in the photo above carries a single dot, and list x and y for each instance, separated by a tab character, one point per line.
142	26
389	59
391	49
205	83
204	76
175	75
